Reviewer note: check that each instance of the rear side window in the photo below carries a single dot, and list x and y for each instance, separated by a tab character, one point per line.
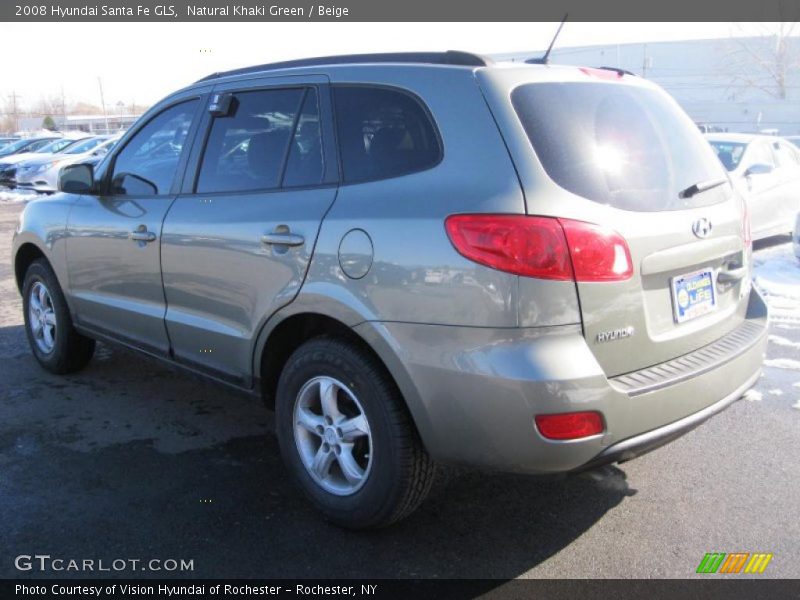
383	133
628	147
785	155
269	139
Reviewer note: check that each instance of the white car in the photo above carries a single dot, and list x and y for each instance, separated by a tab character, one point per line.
767	171
41	173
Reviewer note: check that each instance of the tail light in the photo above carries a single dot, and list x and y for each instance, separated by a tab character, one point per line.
543	247
530	246
570	426
598	253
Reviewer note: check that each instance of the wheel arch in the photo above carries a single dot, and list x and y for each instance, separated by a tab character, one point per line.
25	254
284	333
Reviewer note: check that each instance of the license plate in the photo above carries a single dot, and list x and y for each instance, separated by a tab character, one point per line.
693	295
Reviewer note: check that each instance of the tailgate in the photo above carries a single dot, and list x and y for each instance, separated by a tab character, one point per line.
617	151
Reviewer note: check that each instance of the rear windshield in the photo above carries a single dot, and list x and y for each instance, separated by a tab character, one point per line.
628	147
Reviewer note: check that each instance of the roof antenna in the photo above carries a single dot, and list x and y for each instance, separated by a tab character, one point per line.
546	58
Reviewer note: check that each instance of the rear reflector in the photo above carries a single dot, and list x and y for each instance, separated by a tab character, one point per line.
569	426
542	247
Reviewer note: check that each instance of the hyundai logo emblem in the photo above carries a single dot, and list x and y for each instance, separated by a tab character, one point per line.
702	227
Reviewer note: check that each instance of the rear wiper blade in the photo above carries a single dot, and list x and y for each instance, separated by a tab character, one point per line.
702	187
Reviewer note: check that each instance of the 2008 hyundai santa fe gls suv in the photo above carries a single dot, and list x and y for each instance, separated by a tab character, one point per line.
414	258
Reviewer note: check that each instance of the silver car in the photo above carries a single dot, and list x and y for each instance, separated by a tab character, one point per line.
40	174
414	259
8	164
767	171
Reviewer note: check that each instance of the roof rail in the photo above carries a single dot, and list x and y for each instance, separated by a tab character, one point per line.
451	57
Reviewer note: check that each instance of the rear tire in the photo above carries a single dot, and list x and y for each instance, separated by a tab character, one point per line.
347	438
53	339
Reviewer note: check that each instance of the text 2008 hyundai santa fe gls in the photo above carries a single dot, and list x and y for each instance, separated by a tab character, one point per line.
414	258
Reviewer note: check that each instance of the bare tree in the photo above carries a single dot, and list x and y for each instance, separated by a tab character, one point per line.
48	105
764	62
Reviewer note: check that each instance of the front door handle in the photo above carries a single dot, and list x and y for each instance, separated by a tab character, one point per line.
140	234
283	239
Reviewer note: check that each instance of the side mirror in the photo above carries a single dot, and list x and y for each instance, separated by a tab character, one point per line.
758	169
76	179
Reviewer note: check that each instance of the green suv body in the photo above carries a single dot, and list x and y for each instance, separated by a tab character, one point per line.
413	258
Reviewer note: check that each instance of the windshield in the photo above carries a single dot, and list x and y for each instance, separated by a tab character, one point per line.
55	146
85	145
729	153
17	145
628	147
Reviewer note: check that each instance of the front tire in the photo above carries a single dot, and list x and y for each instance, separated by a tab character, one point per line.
346	436
54	342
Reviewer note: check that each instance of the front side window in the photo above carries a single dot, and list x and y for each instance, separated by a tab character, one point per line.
148	163
269	139
760	154
383	133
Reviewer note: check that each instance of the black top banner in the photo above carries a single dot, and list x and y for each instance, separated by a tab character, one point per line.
396	10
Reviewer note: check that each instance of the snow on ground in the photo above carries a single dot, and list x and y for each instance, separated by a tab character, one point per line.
752	395
783	363
777	276
782	341
12	196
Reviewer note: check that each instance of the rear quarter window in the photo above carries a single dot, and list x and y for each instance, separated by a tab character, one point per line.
383	133
621	145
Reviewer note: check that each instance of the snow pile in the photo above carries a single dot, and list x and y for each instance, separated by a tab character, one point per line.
752	395
777	276
13	196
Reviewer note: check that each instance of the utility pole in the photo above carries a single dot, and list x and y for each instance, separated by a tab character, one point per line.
14	97
63	109
103	102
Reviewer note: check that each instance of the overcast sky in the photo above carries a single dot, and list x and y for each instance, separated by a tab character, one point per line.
141	62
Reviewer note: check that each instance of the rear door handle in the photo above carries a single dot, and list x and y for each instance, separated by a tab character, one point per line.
283	239
731	275
142	235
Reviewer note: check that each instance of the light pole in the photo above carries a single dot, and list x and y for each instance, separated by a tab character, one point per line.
103	102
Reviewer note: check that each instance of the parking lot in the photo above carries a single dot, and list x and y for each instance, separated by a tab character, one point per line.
131	459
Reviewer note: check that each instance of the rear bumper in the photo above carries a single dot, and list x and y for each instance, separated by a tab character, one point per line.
474	392
645	442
